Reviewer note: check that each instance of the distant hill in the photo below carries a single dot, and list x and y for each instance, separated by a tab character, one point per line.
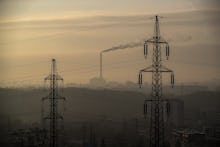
25	104
202	108
104	102
202	99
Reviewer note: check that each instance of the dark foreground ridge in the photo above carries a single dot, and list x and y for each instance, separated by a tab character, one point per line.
109	117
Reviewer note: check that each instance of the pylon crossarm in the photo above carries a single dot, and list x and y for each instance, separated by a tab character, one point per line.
58	77
60	97
59	117
49	77
47	117
155	100
162	41
45	98
147	69
165	69
153	40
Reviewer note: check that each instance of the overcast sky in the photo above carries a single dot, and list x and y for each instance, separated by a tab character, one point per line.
32	32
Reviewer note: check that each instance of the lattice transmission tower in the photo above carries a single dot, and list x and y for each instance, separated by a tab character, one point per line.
159	106
53	98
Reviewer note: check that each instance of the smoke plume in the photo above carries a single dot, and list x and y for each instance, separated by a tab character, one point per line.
124	46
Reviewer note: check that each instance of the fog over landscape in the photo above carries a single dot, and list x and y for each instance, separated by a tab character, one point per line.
75	32
75	73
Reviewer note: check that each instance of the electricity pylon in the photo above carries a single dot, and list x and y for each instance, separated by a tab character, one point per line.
158	104
53	98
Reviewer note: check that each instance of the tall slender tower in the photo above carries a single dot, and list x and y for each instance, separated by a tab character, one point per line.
158	105
53	98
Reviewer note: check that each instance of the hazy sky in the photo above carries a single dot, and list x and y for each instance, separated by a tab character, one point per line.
75	31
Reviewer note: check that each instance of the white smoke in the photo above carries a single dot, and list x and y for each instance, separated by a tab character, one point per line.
124	46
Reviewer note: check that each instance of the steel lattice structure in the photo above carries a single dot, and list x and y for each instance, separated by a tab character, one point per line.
158	105
53	98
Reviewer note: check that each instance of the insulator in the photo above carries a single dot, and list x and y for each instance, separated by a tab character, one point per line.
145	50
167	51
168	108
140	79
172	79
145	109
64	106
